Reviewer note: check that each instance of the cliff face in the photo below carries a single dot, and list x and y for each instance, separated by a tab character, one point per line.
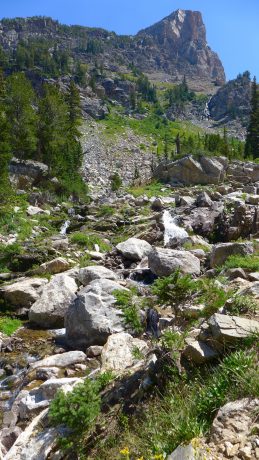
170	49
178	44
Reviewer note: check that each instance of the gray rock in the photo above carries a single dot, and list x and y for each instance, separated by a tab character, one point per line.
23	293
8	436
190	171
184	453
203	200
134	249
50	309
118	352
226	328
88	274
60	360
199	352
222	251
93	316
163	262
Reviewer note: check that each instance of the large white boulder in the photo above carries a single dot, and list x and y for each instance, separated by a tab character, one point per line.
163	262
134	249
50	309
88	274
93	316
23	293
60	360
119	354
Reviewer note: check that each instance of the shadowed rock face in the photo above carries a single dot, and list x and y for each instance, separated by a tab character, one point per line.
179	44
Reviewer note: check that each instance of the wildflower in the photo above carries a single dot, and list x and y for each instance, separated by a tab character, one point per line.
124	451
140	458
158	457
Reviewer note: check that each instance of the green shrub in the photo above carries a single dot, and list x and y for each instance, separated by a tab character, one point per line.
78	409
116	182
212	295
124	300
174	289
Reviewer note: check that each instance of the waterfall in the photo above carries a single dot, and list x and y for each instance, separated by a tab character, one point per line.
172	230
206	111
64	227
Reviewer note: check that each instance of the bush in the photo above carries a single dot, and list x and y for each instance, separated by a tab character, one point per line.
105	210
174	289
78	409
116	182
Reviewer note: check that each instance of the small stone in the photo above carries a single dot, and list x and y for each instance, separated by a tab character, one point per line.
246	452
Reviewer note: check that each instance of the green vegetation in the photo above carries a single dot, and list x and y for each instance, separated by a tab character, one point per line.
185	408
79	408
252	138
151	189
241	304
176	289
89	241
105	211
9	325
249	262
125	301
116	182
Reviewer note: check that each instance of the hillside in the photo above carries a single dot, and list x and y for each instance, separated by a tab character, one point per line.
129	245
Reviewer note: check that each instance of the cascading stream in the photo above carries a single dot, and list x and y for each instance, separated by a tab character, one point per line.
64	227
172	229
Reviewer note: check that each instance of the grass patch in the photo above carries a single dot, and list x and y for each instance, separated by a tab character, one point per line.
9	325
88	241
250	262
151	189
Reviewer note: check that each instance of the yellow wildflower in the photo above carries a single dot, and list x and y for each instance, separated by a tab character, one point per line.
140	458
124	451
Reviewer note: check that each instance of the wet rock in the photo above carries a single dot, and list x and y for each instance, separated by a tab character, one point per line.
134	249
23	293
118	352
163	262
93	316
222	251
50	309
88	274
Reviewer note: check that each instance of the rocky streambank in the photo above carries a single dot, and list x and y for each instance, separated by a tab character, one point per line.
83	296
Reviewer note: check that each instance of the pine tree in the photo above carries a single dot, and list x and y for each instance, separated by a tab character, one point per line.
5	148
21	114
252	138
74	111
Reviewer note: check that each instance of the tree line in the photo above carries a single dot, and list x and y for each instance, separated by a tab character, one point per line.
42	127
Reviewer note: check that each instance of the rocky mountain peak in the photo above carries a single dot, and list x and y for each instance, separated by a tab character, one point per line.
181	37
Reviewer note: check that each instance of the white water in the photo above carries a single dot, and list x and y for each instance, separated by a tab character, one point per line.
172	230
206	111
64	227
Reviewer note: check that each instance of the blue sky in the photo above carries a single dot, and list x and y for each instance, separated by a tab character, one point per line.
232	25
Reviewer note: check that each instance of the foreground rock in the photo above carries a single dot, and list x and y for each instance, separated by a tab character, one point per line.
23	293
50	309
134	249
121	351
163	262
93	316
199	352
226	328
222	251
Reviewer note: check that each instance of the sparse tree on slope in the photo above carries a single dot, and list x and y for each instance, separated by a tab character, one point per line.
252	138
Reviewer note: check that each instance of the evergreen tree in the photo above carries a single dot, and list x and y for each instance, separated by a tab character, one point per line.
74	110
252	138
5	148
22	117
